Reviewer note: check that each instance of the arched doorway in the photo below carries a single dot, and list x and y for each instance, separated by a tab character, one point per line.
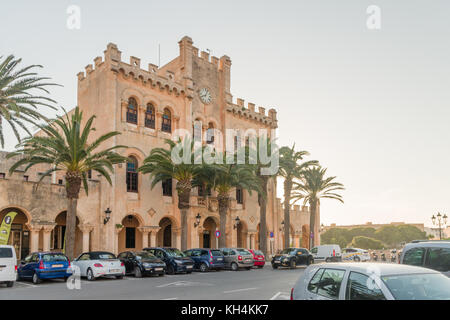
20	235
208	238
58	234
242	234
130	238
165	236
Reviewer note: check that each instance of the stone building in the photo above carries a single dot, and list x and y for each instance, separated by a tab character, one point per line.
147	106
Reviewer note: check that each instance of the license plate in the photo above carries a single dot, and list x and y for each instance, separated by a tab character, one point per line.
115	270
57	266
219	259
158	269
188	267
276	261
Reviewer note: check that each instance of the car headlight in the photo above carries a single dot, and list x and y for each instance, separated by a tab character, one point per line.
146	264
178	262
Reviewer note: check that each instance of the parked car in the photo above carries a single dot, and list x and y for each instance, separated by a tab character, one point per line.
99	264
292	257
206	259
327	253
236	258
355	254
431	254
8	265
142	263
371	281
258	258
44	265
175	260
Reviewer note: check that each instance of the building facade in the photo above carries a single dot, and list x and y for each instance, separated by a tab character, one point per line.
192	92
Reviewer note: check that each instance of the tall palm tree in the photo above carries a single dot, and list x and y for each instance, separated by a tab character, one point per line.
18	104
64	146
290	168
313	187
161	167
222	178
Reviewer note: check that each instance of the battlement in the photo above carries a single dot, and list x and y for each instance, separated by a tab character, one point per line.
133	71
218	63
250	113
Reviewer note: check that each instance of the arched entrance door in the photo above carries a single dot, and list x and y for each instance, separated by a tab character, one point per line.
58	235
130	238
242	235
20	235
208	238
165	234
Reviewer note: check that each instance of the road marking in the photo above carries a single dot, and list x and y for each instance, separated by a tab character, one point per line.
275	296
27	284
238	290
170	299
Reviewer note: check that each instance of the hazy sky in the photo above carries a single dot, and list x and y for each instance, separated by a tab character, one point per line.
371	105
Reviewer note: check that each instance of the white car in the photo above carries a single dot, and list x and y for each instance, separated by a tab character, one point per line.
99	264
370	281
327	253
355	254
8	265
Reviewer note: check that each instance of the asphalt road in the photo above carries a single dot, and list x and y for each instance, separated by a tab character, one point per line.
255	284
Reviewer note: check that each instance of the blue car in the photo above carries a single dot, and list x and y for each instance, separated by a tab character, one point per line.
206	259
44	265
176	261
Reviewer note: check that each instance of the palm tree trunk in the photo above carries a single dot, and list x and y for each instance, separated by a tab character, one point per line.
287	217
262	218
184	213
73	185
184	194
312	222
223	210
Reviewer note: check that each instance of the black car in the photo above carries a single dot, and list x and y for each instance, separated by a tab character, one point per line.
176	261
292	257
142	263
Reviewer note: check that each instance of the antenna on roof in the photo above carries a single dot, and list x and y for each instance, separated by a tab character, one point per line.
159	55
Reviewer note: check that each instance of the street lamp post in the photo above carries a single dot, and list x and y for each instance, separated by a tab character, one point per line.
439	220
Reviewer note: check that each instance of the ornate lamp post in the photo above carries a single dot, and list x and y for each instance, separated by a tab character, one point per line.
107	216
236	223
282	226
441	222
197	220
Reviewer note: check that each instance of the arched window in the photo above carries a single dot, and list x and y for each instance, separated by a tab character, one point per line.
210	133
132	111
166	125
132	176
150	116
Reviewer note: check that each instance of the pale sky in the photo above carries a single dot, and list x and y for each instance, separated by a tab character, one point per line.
371	105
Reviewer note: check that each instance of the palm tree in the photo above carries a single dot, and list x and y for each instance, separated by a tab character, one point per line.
17	102
64	147
290	168
222	178
313	187
161	167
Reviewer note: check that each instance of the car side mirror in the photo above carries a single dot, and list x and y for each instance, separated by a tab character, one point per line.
22	262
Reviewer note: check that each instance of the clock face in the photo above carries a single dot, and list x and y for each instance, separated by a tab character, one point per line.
205	95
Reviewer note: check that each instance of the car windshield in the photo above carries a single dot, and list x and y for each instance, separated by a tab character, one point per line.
144	255
102	256
216	253
175	253
428	286
54	257
288	251
243	251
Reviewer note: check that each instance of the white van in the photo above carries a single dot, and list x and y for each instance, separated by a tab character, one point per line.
8	265
327	253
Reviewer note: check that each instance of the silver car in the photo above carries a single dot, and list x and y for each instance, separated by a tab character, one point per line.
370	281
429	254
236	258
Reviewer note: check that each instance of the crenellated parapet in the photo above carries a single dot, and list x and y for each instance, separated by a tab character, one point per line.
239	110
133	71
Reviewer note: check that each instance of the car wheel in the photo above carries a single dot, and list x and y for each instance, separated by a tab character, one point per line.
137	272
327	260
293	264
36	279
170	270
203	267
234	266
10	284
274	266
356	259
90	275
161	274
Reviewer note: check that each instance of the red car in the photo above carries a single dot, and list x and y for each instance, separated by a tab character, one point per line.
258	258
